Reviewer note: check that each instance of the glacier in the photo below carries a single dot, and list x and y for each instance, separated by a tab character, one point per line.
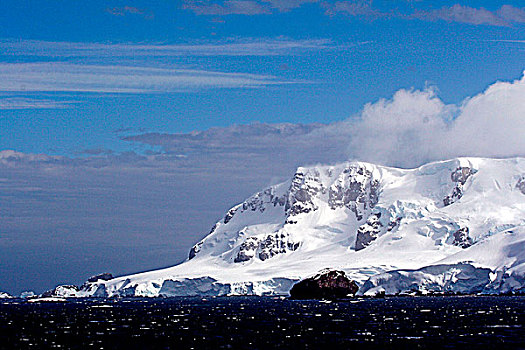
454	226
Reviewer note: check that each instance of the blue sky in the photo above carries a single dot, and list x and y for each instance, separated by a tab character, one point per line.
116	113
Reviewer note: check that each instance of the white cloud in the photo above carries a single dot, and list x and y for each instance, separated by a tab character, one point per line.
233	47
15	103
52	76
505	16
492	123
227	7
411	128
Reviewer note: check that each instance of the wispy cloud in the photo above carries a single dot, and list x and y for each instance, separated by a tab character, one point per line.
505	16
130	10
52	76
228	7
242	7
15	103
359	8
234	47
287	5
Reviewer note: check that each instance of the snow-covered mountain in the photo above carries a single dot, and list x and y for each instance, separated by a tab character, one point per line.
456	225
4	295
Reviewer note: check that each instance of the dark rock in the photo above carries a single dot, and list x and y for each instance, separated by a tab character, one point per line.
103	276
460	177
521	185
302	190
355	190
373	228
271	245
261	200
194	250
461	238
230	214
328	284
247	250
368	232
277	243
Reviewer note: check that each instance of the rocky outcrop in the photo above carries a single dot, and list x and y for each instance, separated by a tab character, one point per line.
106	276
461	238
260	200
265	248
368	232
247	250
377	224
355	189
195	249
521	184
328	284
459	177
277	243
304	187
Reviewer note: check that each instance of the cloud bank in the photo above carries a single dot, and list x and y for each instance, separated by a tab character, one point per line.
506	15
411	128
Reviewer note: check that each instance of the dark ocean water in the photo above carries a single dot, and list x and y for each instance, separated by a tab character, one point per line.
262	323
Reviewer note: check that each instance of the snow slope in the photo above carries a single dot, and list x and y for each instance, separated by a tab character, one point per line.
4	295
465	218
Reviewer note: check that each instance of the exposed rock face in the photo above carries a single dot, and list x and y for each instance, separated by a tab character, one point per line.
229	215
356	190
461	238
304	187
328	284
277	243
260	200
460	177
377	224
521	184
247	250
368	232
271	245
195	249
103	276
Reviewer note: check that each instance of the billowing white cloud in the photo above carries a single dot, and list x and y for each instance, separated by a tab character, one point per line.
490	124
416	126
411	128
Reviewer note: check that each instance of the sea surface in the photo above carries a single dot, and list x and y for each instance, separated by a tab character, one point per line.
264	322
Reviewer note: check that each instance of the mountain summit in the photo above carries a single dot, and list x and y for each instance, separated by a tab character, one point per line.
449	226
